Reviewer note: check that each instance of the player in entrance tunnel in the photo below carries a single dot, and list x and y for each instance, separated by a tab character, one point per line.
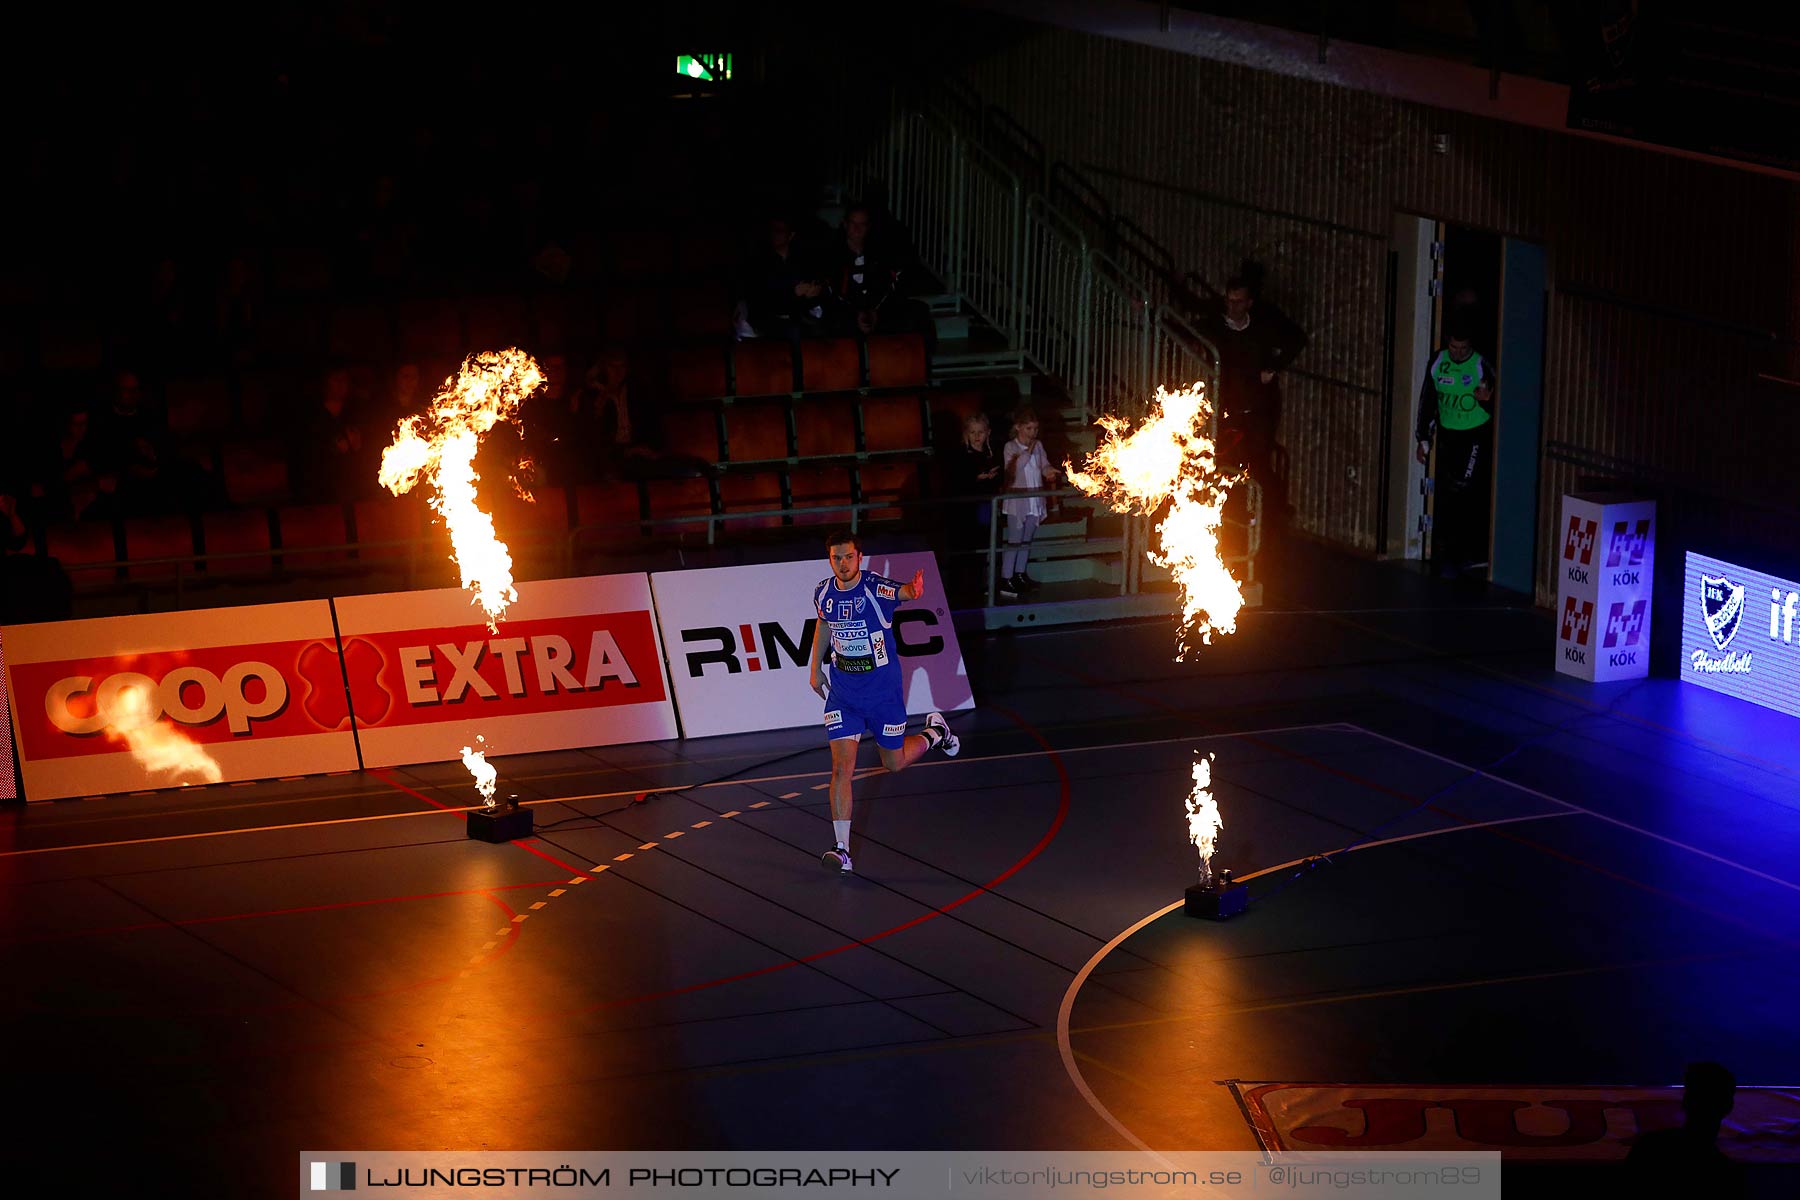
861	687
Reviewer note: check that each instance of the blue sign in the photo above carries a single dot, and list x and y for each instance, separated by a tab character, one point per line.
1738	635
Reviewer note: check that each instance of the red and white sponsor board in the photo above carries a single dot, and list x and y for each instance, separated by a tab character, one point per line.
1523	1121
576	662
740	642
8	791
258	689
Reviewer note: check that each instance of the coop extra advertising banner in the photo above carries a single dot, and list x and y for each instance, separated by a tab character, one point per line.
575	662
8	789
739	641
122	703
1738	635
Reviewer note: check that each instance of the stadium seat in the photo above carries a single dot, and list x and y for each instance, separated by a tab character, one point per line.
890	481
197	406
697	374
239	532
700	310
830	365
607	514
897	360
364	332
635	313
299	270
255	472
496	323
535	531
812	486
951	408
69	346
686	497
394	529
640	254
825	426
692	431
158	537
705	250
289	333
429	328
756	430
266	396
763	368
755	489
570	321
892	423
313	535
79	546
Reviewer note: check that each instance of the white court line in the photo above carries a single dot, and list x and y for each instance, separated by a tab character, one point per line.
1598	816
435	812
1067	1007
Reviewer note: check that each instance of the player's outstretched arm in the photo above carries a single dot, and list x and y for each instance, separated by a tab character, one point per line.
815	677
916	588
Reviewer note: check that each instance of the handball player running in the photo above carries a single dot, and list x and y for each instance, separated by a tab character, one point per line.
861	687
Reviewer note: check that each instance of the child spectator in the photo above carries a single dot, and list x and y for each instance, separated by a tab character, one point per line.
1027	469
974	470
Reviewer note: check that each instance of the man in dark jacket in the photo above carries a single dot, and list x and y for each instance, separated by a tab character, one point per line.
1255	346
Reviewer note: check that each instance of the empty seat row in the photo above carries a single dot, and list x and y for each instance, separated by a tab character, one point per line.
252	542
758	429
768	367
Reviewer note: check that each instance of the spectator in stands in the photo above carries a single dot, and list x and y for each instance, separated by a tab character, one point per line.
1687	1161
622	416
1027	469
66	483
866	285
131	444
32	588
332	459
974	470
782	292
1254	346
407	393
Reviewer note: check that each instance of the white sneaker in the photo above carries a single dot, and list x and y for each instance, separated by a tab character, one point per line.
950	744
836	859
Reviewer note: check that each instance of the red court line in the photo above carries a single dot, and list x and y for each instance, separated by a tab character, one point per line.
1056	824
398	786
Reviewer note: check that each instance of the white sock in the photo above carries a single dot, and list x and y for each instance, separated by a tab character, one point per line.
932	735
842	829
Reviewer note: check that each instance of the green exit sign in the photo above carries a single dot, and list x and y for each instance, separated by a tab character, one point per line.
712	68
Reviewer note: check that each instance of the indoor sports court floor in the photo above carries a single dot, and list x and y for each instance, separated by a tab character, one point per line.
1465	869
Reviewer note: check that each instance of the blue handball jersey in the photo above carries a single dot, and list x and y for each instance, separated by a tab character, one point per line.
861	620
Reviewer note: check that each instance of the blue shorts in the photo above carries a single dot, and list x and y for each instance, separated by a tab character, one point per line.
849	715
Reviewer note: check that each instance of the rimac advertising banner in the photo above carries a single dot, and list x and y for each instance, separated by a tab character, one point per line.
117	704
1738	635
740	642
575	662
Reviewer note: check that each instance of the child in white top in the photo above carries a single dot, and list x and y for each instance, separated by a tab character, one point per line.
1027	469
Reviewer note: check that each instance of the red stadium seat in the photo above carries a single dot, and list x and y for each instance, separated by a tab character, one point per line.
693	430
641	254
394	528
813	486
607	514
635	313
700	310
290	333
705	250
897	360
825	426
763	368
890	481
497	323
689	497
255	472
756	430
79	546
158	537
697	374
313	535
831	365
536	531
299	269
431	328
266	396
752	490
361	331
197	406
239	533
892	423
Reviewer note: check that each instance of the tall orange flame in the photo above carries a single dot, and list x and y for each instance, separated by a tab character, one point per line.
1203	817
439	448
1169	457
487	778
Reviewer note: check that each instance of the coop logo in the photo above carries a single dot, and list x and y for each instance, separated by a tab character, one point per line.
189	695
1579	543
771	645
1577	622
